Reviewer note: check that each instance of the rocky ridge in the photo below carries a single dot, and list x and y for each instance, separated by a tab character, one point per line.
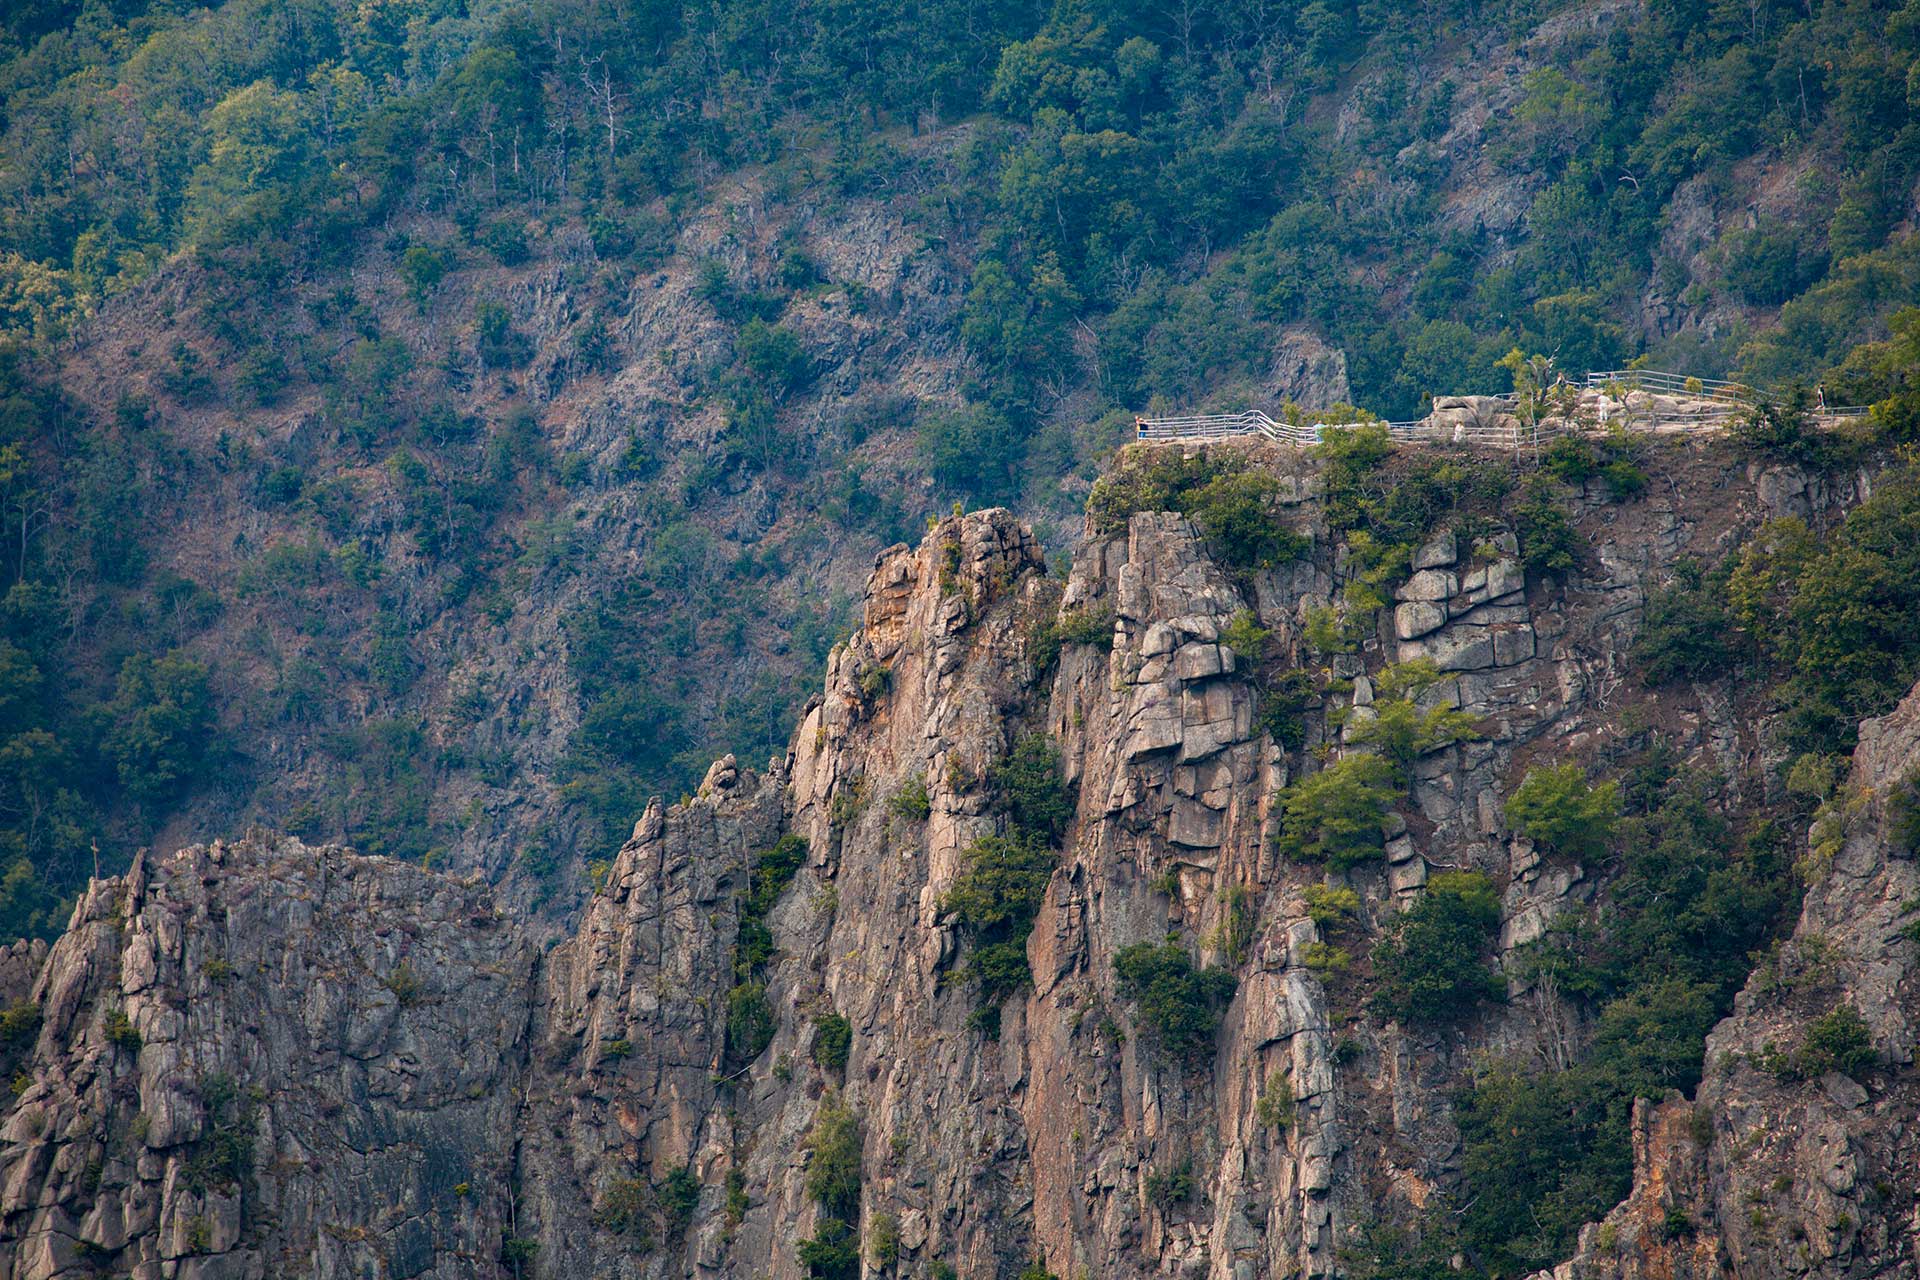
1775	1169
257	1058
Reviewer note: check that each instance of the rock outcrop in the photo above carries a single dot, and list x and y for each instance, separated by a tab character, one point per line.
1784	1165
261	1059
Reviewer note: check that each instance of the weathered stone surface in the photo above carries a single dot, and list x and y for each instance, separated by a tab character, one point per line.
1417	618
1462	649
1505	577
1512	645
545	1080
1779	1188
1438	552
1428	584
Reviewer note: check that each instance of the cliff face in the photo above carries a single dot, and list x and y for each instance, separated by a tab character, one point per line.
1784	1165
261	1059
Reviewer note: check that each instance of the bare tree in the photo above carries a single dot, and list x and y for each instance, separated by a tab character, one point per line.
606	101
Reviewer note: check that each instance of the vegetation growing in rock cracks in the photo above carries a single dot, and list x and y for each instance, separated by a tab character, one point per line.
341	208
1824	616
1561	811
1691	900
1335	815
1431	965
337	216
833	1183
1003	878
1178	1002
750	1019
1234	502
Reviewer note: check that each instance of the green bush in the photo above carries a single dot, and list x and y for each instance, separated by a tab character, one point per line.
679	1197
1335	815
774	357
1001	885
1838	1040
1575	459
1886	375
1766	265
1352	457
1326	959
1275	1107
1688	907
121	1032
222	1156
751	1023
883	1242
1783	430
1686	631
975	452
1031	785
1246	637
1548	541
506	240
157	728
1234	504
1331	906
1238	921
832	1041
910	801
1091	624
1238	514
1402	733
1558	809
1148	480
1846	630
406	986
832	1252
624	1208
1282	712
773	869
424	267
1179	1005
282	486
1431	966
500	345
833	1160
1167	1189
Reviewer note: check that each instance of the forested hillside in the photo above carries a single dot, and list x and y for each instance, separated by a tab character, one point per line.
440	427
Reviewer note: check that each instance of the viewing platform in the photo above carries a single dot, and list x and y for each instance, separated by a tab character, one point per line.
1638	400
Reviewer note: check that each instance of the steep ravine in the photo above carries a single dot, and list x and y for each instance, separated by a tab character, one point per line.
258	1059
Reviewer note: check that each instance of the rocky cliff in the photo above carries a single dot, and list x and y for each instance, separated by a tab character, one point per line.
1793	1159
260	1059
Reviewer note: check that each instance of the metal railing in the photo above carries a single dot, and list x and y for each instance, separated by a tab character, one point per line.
1661	382
1717	400
1221	426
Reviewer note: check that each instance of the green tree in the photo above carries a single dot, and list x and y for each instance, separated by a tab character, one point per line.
1557	808
1431	966
1399	729
157	729
258	142
1179	1002
1335	815
1001	886
833	1160
1032	786
1240	516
